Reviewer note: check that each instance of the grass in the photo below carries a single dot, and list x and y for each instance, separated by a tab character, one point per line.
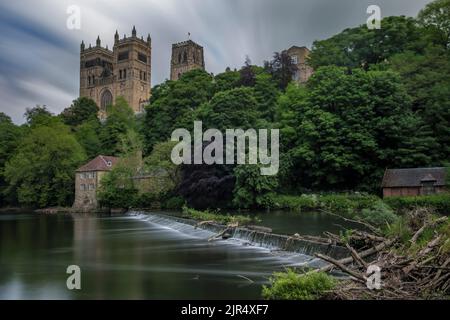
207	215
290	285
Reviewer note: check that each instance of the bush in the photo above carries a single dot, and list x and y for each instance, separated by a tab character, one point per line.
292	286
215	216
379	214
173	203
347	205
440	203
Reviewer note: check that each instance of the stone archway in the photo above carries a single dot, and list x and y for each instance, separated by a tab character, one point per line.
106	99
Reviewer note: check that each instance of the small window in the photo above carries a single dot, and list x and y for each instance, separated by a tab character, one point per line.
294	59
124	73
120	74
109	163
91	186
83	187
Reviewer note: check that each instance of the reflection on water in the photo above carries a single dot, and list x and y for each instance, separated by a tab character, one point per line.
128	257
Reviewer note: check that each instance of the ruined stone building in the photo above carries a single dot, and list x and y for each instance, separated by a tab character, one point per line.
299	56
186	56
123	71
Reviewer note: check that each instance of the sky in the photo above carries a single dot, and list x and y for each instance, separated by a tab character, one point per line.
39	54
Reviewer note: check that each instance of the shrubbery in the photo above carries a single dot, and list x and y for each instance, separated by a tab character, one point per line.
215	216
293	286
439	202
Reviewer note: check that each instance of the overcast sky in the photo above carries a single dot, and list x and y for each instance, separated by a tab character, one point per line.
39	55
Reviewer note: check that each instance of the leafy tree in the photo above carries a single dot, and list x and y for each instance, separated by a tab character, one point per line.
10	136
360	47
37	115
253	189
41	171
427	80
226	81
266	95
87	134
230	109
436	16
174	105
281	68
81	110
160	159
119	120
247	74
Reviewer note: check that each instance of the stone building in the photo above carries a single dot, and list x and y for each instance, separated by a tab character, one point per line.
299	56
123	71
414	181
87	180
186	56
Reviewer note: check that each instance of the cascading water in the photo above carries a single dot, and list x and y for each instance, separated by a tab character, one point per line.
281	244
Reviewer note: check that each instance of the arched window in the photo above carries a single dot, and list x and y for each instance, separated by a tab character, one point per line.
106	99
185	56
179	57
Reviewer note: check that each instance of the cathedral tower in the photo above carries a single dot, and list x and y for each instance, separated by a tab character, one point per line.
125	71
186	56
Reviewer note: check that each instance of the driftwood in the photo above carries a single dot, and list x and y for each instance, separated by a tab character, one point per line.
408	270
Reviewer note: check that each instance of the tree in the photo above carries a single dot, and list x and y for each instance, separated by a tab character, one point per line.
41	171
253	189
10	136
174	106
87	135
226	81
37	115
81	110
436	16
119	120
247	74
281	68
266	95
360	47
230	109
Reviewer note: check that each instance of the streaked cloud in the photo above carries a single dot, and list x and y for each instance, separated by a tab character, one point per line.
39	56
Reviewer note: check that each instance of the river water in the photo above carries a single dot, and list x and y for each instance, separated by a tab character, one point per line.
131	257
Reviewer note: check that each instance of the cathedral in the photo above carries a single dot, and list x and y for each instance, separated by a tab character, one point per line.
126	69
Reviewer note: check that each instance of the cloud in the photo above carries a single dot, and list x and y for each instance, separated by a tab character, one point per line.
39	56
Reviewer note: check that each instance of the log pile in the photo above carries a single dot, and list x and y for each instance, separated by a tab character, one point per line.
414	263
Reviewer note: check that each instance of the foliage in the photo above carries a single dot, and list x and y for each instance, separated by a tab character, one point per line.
379	214
436	16
87	134
215	216
41	171
253	189
81	110
117	189
439	202
290	285
37	115
120	119
281	68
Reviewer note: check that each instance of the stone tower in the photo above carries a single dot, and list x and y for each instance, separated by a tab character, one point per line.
186	56
125	71
299	56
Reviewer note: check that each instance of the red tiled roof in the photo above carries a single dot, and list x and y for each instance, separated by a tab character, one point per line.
413	177
100	163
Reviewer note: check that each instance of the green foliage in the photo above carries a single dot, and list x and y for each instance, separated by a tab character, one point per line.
160	160
10	136
173	203
38	115
117	189
436	16
120	120
252	189
87	134
81	110
379	214
281	68
360	47
235	108
172	105
226	81
292	286
41	171
207	215
439	202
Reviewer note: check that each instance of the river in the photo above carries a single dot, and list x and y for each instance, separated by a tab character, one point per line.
131	257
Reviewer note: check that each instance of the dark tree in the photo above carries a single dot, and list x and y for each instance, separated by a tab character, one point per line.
281	68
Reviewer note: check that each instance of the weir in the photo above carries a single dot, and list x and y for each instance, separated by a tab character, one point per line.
252	237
